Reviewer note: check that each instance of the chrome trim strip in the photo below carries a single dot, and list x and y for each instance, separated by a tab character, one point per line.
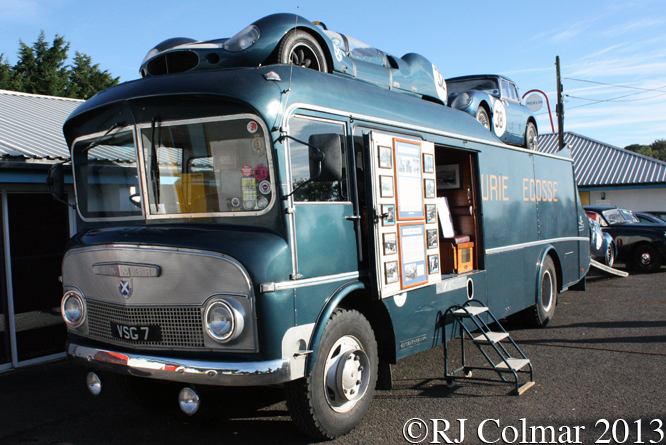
272	287
355	116
534	243
185	371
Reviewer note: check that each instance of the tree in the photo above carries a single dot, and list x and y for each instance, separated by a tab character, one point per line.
6	74
86	79
41	69
656	150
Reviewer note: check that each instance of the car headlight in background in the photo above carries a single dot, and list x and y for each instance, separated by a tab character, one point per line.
463	100
73	309
223	320
243	40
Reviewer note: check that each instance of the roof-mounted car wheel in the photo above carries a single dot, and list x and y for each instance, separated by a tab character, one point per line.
301	49
531	137
482	116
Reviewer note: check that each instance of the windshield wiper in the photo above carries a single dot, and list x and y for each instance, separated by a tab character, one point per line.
99	140
154	167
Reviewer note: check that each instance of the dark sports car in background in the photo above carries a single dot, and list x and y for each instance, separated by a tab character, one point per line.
494	101
656	213
649	218
287	38
639	245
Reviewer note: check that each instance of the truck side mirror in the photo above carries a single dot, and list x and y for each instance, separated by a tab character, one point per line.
56	182
325	151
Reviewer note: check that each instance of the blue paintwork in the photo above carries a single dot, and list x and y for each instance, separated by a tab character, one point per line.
412	74
471	100
600	242
507	213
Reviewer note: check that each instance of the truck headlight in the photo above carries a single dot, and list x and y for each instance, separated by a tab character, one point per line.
73	309
243	40
223	321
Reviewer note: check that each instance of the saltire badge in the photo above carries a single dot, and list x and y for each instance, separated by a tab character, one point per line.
125	287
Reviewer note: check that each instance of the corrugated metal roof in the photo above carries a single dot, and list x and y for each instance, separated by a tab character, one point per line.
600	164
31	125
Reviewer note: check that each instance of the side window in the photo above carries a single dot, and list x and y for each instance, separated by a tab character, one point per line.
302	128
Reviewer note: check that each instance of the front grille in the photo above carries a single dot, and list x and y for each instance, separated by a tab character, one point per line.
181	326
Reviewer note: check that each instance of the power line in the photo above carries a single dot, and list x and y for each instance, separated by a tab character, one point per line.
660	89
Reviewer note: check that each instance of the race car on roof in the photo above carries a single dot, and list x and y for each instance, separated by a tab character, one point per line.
287	38
494	101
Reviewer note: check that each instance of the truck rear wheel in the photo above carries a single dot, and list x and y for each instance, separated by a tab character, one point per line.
333	399
544	309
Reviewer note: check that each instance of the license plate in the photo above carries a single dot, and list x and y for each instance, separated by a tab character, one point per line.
146	333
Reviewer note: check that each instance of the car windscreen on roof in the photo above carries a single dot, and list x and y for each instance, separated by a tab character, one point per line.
474	84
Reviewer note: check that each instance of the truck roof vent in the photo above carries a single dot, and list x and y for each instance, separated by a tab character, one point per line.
173	62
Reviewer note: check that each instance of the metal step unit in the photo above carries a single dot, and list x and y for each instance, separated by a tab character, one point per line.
498	348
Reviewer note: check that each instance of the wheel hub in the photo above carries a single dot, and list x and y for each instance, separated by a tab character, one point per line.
646	259
349	375
345	375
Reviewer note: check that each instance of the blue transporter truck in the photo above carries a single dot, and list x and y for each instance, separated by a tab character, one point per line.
279	225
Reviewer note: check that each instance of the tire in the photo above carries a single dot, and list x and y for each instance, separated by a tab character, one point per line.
646	258
482	117
544	310
531	137
324	404
301	49
609	258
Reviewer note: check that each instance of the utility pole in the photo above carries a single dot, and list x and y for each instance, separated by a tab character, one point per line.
559	109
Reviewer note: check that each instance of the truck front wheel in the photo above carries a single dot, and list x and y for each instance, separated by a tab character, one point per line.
333	399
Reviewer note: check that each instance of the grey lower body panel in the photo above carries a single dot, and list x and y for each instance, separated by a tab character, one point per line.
183	371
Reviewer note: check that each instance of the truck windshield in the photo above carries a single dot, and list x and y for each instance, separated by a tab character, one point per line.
207	166
106	176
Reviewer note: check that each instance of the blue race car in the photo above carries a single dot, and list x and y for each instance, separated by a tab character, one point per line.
287	38
494	101
601	244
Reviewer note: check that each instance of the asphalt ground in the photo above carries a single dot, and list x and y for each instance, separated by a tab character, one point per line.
599	371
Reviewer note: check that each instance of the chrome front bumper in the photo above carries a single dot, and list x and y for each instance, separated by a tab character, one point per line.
183	371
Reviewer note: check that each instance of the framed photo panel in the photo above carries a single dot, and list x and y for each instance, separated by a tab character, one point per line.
409	179
386	184
388	212
448	177
428	163
385	157
391	272
412	254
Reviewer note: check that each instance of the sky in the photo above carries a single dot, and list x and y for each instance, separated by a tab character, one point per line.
612	52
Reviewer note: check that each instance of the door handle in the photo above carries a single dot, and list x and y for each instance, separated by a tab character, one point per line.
353	217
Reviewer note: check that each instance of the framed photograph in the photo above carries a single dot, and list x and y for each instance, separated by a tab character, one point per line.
388	210
386	184
391	272
408	180
428	163
431	213
385	157
432	238
390	244
448	177
413	261
429	186
433	264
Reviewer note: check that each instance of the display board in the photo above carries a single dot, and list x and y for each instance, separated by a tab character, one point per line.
406	227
